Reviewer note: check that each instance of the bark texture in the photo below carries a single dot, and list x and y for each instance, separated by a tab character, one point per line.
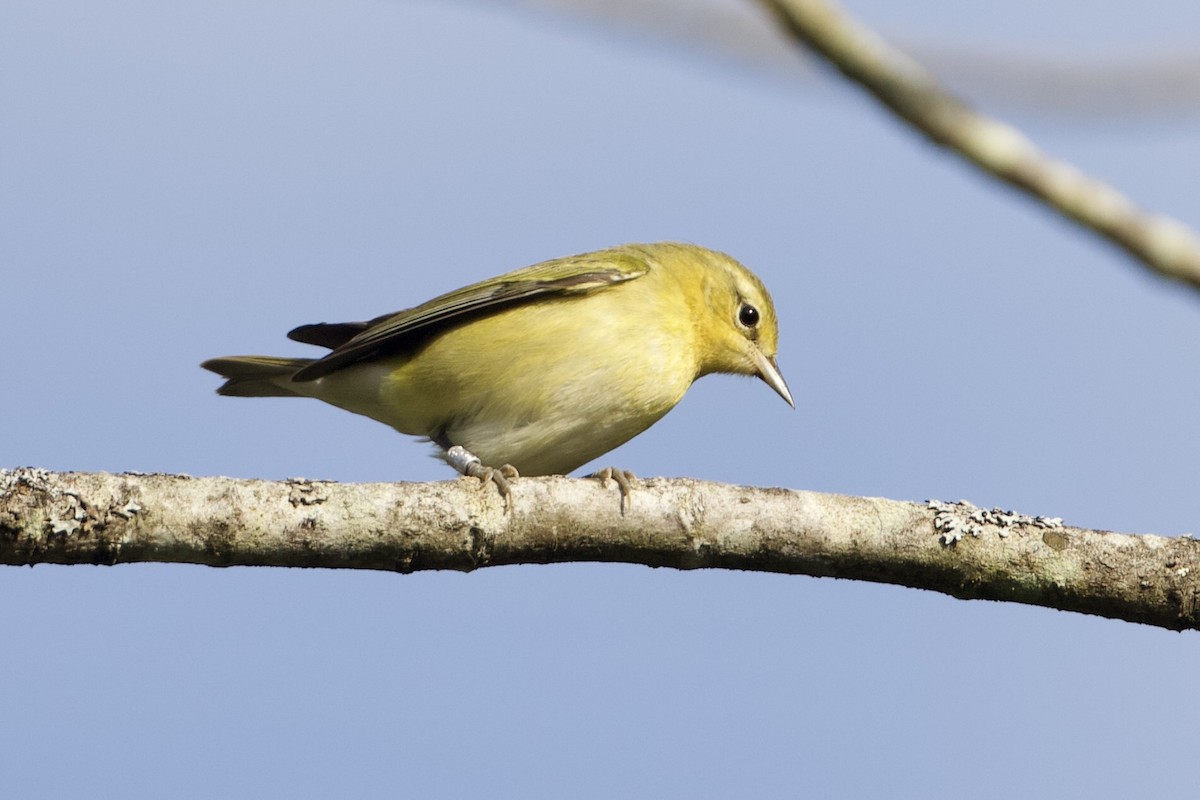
954	548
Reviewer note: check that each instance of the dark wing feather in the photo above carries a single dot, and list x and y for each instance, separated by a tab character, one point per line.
327	334
357	341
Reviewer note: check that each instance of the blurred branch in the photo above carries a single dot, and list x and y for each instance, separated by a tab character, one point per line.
1163	244
1164	80
99	518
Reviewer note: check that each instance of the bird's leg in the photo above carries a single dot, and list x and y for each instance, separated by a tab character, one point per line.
469	465
626	482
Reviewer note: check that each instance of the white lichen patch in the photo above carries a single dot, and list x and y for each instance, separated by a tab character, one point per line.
66	512
66	521
22	476
303	492
956	520
128	510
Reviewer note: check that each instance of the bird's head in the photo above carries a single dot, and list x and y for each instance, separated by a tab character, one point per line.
735	320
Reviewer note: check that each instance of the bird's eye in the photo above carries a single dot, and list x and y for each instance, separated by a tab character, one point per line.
748	315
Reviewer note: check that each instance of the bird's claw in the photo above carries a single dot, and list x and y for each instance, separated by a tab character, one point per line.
626	483
500	476
470	466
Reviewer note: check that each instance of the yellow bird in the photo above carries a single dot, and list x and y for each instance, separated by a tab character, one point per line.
543	369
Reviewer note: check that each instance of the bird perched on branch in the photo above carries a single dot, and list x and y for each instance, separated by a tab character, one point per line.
543	369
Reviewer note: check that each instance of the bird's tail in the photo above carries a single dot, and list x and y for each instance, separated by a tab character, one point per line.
257	376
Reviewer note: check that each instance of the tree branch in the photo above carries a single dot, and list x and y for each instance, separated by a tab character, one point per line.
1081	83
99	518
1165	245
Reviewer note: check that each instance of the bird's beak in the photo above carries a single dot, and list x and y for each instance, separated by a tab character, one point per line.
768	370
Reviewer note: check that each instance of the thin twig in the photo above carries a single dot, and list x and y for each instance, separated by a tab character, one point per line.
1166	246
1074	84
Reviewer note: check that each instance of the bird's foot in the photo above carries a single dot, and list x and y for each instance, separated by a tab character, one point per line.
469	465
499	476
626	483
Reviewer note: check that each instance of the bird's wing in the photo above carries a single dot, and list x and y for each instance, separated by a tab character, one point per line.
356	341
328	334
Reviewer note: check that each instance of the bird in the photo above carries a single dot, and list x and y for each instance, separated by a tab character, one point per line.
543	369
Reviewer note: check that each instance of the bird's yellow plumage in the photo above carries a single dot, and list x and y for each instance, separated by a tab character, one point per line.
544	368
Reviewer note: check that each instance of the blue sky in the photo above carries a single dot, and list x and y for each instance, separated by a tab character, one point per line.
181	181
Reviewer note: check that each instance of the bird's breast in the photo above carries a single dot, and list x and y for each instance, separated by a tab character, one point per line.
547	387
